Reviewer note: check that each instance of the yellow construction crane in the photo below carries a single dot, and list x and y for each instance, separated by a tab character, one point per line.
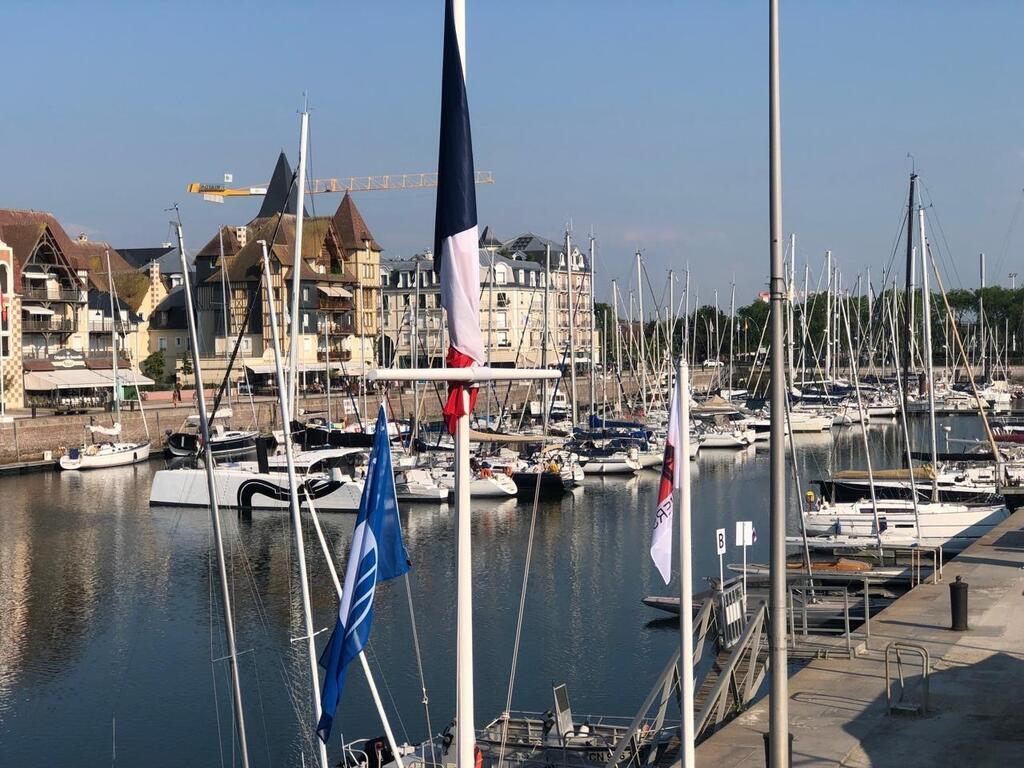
215	193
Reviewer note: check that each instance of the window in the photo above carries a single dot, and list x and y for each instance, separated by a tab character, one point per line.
305	294
500	275
246	345
503	300
501	319
177	341
533	279
522	276
161	343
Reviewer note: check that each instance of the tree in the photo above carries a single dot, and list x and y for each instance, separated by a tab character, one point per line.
186	364
155	366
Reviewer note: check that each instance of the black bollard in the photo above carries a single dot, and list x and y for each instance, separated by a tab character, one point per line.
958	604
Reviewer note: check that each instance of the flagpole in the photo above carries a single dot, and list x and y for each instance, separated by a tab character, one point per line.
682	503
293	500
465	733
778	721
466	728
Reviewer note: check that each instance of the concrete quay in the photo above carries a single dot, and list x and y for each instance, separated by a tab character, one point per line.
838	710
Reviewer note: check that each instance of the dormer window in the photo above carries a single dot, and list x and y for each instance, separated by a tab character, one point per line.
500	275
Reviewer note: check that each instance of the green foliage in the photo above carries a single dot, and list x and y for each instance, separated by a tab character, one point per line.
155	367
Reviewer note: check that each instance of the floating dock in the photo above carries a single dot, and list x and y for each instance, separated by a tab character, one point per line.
969	713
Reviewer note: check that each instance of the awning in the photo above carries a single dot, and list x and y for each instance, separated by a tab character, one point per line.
261	369
33	310
126	377
75	378
303	367
334	290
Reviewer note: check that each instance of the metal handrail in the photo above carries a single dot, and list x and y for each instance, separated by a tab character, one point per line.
666	682
899	704
749	643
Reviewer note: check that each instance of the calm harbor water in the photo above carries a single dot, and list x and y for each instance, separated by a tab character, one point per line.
111	641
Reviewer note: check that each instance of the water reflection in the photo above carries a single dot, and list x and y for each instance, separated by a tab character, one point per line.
109	609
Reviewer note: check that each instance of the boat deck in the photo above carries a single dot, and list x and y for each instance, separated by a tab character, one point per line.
838	708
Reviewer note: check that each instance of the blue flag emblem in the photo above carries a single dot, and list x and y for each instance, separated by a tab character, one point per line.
377	554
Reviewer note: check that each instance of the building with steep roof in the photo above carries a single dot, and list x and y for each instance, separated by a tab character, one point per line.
362	265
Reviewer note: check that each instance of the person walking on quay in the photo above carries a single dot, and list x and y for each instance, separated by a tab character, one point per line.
176	395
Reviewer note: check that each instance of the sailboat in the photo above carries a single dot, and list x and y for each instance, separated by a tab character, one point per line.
93	455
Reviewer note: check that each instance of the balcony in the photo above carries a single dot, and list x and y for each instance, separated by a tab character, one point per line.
337	355
107	326
53	294
48	326
335	304
345	328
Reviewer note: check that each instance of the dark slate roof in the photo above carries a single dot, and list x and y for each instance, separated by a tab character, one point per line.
100	300
141	258
488	239
352	228
282	195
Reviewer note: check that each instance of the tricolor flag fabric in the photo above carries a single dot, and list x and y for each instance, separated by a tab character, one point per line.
377	554
456	243
671	475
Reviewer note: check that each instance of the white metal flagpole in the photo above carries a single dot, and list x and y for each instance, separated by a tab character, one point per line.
682	503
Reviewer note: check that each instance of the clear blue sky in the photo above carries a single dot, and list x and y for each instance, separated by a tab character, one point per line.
645	120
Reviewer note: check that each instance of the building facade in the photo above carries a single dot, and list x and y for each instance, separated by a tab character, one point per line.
515	287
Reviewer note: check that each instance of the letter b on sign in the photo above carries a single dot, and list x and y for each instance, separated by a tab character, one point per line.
720	541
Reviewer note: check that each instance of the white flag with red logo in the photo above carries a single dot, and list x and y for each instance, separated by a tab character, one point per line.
661	537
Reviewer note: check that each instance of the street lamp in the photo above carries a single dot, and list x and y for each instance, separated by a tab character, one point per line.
1013	281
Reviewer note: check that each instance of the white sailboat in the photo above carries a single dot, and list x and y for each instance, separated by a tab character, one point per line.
102	455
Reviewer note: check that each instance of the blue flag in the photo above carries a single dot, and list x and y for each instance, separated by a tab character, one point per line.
377	554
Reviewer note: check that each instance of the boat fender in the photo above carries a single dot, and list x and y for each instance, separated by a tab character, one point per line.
486	472
478	757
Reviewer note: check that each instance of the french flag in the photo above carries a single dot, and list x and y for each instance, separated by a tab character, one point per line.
456	241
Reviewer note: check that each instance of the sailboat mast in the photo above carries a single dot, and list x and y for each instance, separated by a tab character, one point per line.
545	337
778	692
293	495
926	340
224	306
618	346
593	324
828	319
643	348
113	336
982	325
732	333
909	289
211	489
293	353
570	296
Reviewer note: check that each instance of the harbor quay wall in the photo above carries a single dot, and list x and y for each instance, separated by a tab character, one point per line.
27	439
